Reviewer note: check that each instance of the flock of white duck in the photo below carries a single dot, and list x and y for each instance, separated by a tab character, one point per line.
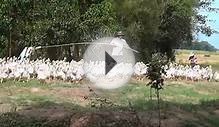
73	71
175	71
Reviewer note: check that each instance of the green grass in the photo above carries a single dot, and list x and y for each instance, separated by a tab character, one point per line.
188	99
36	83
175	92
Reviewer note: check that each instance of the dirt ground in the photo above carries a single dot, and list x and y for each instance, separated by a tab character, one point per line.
171	118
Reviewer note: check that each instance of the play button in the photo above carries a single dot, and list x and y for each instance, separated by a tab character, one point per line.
108	63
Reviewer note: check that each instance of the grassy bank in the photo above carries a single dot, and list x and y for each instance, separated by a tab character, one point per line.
187	103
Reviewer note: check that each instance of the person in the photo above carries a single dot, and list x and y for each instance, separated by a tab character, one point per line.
193	60
118	42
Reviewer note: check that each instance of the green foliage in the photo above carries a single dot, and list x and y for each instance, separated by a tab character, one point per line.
175	26
140	21
38	22
155	66
150	25
160	26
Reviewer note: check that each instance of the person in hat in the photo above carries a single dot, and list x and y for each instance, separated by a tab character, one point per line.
118	42
119	34
193	60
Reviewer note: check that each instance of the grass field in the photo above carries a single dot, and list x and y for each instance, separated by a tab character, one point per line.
213	59
184	104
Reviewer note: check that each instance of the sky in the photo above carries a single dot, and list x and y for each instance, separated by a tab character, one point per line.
213	39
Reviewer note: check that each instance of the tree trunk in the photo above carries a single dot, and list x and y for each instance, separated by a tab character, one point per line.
9	45
76	53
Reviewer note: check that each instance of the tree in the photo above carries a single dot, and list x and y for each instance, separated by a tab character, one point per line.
175	26
140	21
10	24
39	22
150	26
161	26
